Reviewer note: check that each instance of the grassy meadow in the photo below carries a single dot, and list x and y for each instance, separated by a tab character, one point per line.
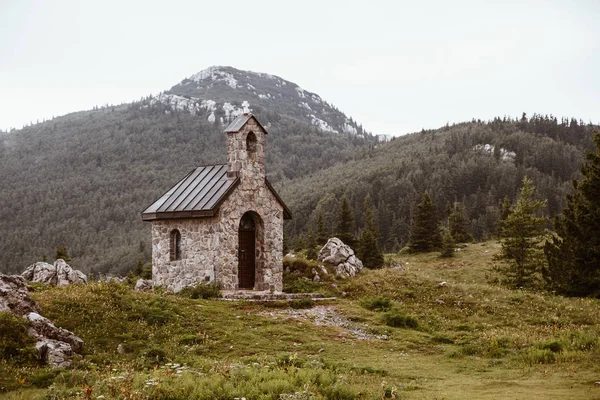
397	333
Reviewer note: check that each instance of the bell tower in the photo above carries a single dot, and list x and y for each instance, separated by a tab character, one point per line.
246	139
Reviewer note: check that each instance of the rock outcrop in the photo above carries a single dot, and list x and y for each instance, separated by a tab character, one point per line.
59	274
341	257
55	346
143	285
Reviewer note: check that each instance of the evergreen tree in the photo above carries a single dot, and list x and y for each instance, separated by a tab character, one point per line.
522	236
61	252
321	233
457	224
299	243
311	243
448	245
574	255
425	232
345	223
505	208
368	243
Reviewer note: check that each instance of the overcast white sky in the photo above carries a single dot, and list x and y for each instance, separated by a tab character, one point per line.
394	66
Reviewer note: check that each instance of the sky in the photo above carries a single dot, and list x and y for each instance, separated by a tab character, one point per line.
394	66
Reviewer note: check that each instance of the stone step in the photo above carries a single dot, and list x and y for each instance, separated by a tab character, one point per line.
251	295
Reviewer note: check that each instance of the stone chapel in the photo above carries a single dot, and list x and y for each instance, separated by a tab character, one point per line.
222	223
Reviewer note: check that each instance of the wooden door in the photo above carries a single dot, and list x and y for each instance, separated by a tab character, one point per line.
247	259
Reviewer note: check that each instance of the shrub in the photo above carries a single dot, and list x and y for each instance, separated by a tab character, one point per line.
553	346
294	284
443	339
15	344
304	302
538	356
189	339
397	319
379	303
299	266
155	354
43	378
203	291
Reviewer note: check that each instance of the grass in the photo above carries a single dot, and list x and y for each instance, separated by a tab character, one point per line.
464	340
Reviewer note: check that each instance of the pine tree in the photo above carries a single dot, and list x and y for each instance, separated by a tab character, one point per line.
61	252
425	232
345	223
457	224
311	243
321	233
574	255
505	208
368	243
522	236
448	245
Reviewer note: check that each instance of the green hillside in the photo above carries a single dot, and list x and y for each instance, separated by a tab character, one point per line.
82	180
475	163
392	333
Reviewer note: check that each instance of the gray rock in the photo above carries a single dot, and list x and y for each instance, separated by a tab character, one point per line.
14	295
55	345
59	274
341	257
398	266
44	328
143	285
55	353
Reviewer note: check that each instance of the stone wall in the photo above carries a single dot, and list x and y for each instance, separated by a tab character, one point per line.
210	245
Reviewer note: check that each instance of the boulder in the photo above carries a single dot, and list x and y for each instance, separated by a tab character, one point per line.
143	285
43	328
14	295
55	345
59	274
341	257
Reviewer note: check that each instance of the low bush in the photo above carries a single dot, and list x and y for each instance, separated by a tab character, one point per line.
203	291
299	265
304	302
155	354
534	356
15	345
294	284
379	303
554	346
396	319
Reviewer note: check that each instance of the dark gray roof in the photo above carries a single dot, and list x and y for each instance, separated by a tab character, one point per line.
240	121
199	194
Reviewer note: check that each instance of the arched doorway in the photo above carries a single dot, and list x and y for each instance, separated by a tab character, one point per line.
249	232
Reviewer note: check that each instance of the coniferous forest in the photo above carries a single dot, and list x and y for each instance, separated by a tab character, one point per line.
473	166
81	181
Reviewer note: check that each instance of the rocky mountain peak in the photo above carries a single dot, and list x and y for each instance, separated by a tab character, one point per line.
218	94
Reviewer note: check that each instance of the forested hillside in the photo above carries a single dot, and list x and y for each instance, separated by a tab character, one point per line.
82	180
476	164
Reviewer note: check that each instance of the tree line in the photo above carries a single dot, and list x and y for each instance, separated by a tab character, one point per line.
565	260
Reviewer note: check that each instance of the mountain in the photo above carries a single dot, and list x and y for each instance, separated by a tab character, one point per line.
219	94
475	163
81	180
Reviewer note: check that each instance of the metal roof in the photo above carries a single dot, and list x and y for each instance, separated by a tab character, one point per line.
198	194
240	121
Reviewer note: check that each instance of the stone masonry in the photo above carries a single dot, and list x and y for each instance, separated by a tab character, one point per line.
209	245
